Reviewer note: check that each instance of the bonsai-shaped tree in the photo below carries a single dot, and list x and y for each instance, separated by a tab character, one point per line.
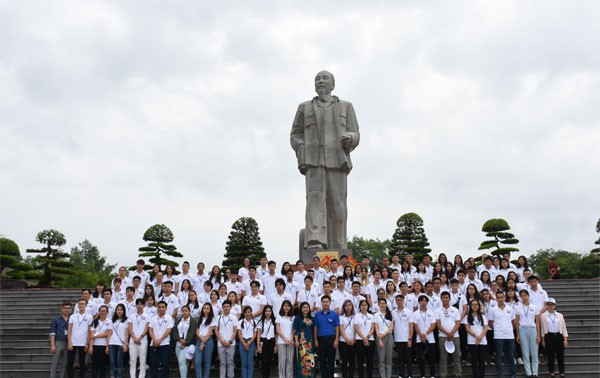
159	248
244	241
497	230
11	260
52	261
409	237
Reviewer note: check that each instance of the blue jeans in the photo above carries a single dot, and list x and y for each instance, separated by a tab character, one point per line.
205	356
161	355
116	361
499	345
529	349
247	357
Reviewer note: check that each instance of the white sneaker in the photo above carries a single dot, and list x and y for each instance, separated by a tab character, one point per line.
520	361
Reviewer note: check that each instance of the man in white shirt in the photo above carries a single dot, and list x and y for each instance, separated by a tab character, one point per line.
528	332
355	296
411	264
90	308
502	321
144	276
246	287
129	301
537	296
291	286
396	263
225	332
125	281
472	278
138	288
488	267
371	290
424	323
269	280
434	300
340	294
320	274
448	322
184	275
233	284
199	278
77	337
334	305
255	300
403	334
170	299
300	273
410	302
428	266
262	270
308	294
160	331
137	331
277	298
108	302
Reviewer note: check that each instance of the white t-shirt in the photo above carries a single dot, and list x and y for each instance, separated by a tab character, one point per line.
292	289
526	315
347	324
248	289
364	323
183	327
299	277
150	312
80	328
502	322
255	302
424	320
372	288
111	308
434	302
285	327
226	326
204	326
234	286
248	328
203	297
477	327
538	298
183	297
159	327
448	318
275	300
402	322
138	325
102	327
383	324
244	274
145	277
269	284
309	296
356	302
118	335
267	329
172	303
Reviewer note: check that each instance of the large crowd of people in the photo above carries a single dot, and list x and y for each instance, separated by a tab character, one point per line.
312	318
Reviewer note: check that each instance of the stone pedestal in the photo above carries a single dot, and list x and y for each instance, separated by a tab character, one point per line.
307	255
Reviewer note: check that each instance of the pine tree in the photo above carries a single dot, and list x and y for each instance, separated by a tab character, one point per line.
409	237
53	262
11	260
158	249
497	229
244	241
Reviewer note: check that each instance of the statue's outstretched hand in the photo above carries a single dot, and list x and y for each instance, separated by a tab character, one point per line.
346	141
303	168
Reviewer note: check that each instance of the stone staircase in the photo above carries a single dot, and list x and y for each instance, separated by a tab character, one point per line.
25	317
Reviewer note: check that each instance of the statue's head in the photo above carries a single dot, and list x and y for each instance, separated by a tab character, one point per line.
324	82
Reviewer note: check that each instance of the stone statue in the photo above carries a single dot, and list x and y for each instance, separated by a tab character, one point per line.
324	132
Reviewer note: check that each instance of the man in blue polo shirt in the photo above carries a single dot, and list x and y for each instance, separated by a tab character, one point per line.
58	341
327	333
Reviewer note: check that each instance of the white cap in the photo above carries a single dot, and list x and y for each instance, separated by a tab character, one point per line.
551	300
190	351
449	345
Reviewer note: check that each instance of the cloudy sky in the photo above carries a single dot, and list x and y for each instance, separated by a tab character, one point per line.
115	116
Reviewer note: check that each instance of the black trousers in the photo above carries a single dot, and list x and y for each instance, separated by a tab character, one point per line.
71	361
347	354
426	354
490	342
404	358
464	350
478	353
99	361
365	352
555	349
326	356
268	347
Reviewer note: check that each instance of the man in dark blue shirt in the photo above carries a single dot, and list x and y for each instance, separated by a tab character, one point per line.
327	334
58	341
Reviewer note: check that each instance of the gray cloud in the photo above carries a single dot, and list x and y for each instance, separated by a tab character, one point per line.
116	116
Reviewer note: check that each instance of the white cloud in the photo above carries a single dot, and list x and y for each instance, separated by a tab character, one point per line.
116	116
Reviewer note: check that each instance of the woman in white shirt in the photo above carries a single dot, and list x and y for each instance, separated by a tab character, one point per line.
98	347
554	337
236	309
364	326
184	292
205	344
266	339
285	340
477	330
194	305
117	336
247	331
347	339
214	302
184	334
150	309
384	326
